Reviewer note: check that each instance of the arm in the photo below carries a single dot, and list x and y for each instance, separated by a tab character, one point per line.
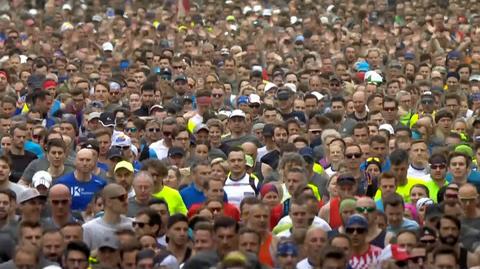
325	212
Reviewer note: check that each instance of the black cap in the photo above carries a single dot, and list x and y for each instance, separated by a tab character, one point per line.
180	77
433	211
107	119
345	179
425	231
283	93
175	151
114	152
91	144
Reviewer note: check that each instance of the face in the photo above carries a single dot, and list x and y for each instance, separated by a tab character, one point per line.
52	246
84	161
4	171
438	171
407	241
56	156
448	232
249	242
19	137
445	261
178	233
128	260
400	170
142	226
25	260
226	239
299	215
72	233
394	215
458	167
237	163
32	236
4	206
357	234
203	240
294	181
416	193
76	260
258	218
271	199
315	241
143	188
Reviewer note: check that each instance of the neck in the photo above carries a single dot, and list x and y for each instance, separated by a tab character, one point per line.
472	213
5	184
178	251
360	249
402	181
17	151
270	145
110	217
142	201
418	166
83	176
3	221
158	188
61	220
56	170
439	181
460	181
102	158
237	176
237	135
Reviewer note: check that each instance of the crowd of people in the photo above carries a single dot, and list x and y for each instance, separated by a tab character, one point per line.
240	134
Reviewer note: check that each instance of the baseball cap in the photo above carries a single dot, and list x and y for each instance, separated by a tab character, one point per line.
49	83
237	113
299	39
29	194
345	179
114	152
427	231
200	127
180	77
176	151
423	202
106	119
122	140
474	77
432	211
91	143
453	54
307	154
242	100
107	46
388	127
357	220
283	94
409	56
94	115
254	99
291	86
159	107
258	126
42	178
125	165
109	242
270	86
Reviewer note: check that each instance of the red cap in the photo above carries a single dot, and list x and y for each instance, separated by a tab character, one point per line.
398	253
49	84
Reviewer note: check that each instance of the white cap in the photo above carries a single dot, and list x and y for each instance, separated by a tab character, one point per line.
269	86
267	12
93	115
324	20
372	76
67	7
225	113
237	113
318	95
254	98
121	140
293	19
33	12
42	178
107	46
330	8
387	127
257	8
475	77
246	9
66	26
291	86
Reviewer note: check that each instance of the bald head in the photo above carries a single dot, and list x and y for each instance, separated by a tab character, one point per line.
365	201
468	191
250	148
58	190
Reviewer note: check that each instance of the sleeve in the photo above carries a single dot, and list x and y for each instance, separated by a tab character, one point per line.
29	172
180	205
87	238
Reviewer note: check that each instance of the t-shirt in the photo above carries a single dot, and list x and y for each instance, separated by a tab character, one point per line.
272	159
173	199
417	173
19	163
367	259
407	224
16	188
236	190
160	149
42	165
191	195
433	189
134	207
97	230
82	192
304	264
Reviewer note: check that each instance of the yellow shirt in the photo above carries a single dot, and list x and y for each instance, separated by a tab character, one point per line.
173	199
404	190
433	189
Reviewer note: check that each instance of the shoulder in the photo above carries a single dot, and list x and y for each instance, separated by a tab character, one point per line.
68	178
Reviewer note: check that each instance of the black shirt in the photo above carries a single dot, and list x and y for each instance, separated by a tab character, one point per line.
19	164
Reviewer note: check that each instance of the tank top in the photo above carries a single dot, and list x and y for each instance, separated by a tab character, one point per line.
463	259
335	218
264	255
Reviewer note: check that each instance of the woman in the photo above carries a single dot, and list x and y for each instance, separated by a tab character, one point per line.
417	192
173	177
336	156
269	195
219	169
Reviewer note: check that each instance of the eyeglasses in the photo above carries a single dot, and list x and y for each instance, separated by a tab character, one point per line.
365	209
451	195
123	147
131	130
255	105
373	159
357	155
177	67
427	102
139	224
36	137
154	130
121	198
71	70
358	230
437	166
59	202
315	131
217	95
390	109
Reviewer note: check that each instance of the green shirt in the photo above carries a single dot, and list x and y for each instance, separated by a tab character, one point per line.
404	190
173	199
433	189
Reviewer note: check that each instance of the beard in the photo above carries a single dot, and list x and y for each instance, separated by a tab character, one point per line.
450	240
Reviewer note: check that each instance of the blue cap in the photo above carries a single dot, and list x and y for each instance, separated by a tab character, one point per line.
409	56
362	66
307	152
287	248
242	100
357	220
454	54
299	38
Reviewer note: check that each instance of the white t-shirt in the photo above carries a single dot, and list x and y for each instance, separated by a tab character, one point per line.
304	264
239	189
317	222
160	149
417	173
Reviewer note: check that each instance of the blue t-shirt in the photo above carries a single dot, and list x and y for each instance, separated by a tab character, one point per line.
191	195
34	148
102	166
473	178
82	192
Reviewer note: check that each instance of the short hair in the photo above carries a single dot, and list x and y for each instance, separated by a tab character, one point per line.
459	154
385	175
451	218
153	216
332	253
197	163
56	142
176	218
403	231
344	236
156	165
378	139
6	159
203	226
12	196
393	199
419	185
225	222
398	157
77	246
445	250
443	113
245	230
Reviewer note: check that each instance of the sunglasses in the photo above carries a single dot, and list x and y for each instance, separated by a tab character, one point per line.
167	134
140	225
121	198
451	195
429	241
217	95
123	147
365	209
131	130
390	109
427	102
254	105
351	155
59	202
358	230
315	131
154	130
437	166
71	70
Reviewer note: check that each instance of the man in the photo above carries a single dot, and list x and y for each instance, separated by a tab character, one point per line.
82	182
128	253
203	237
360	133
161	207
177	233
123	175
333	257
143	188
239	183
387	185
104	139
60	201
418	159
315	241
446	257
194	193
31	204
298	212
468	196
363	253
5	183
147	221
53	245
459	167
108	255
76	255
249	241
20	157
284	101
7	205
366	206
161	147
360	113
148	99
394	208
280	137
115	206
448	232
72	231
438	172
158	171
238	132
258	221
